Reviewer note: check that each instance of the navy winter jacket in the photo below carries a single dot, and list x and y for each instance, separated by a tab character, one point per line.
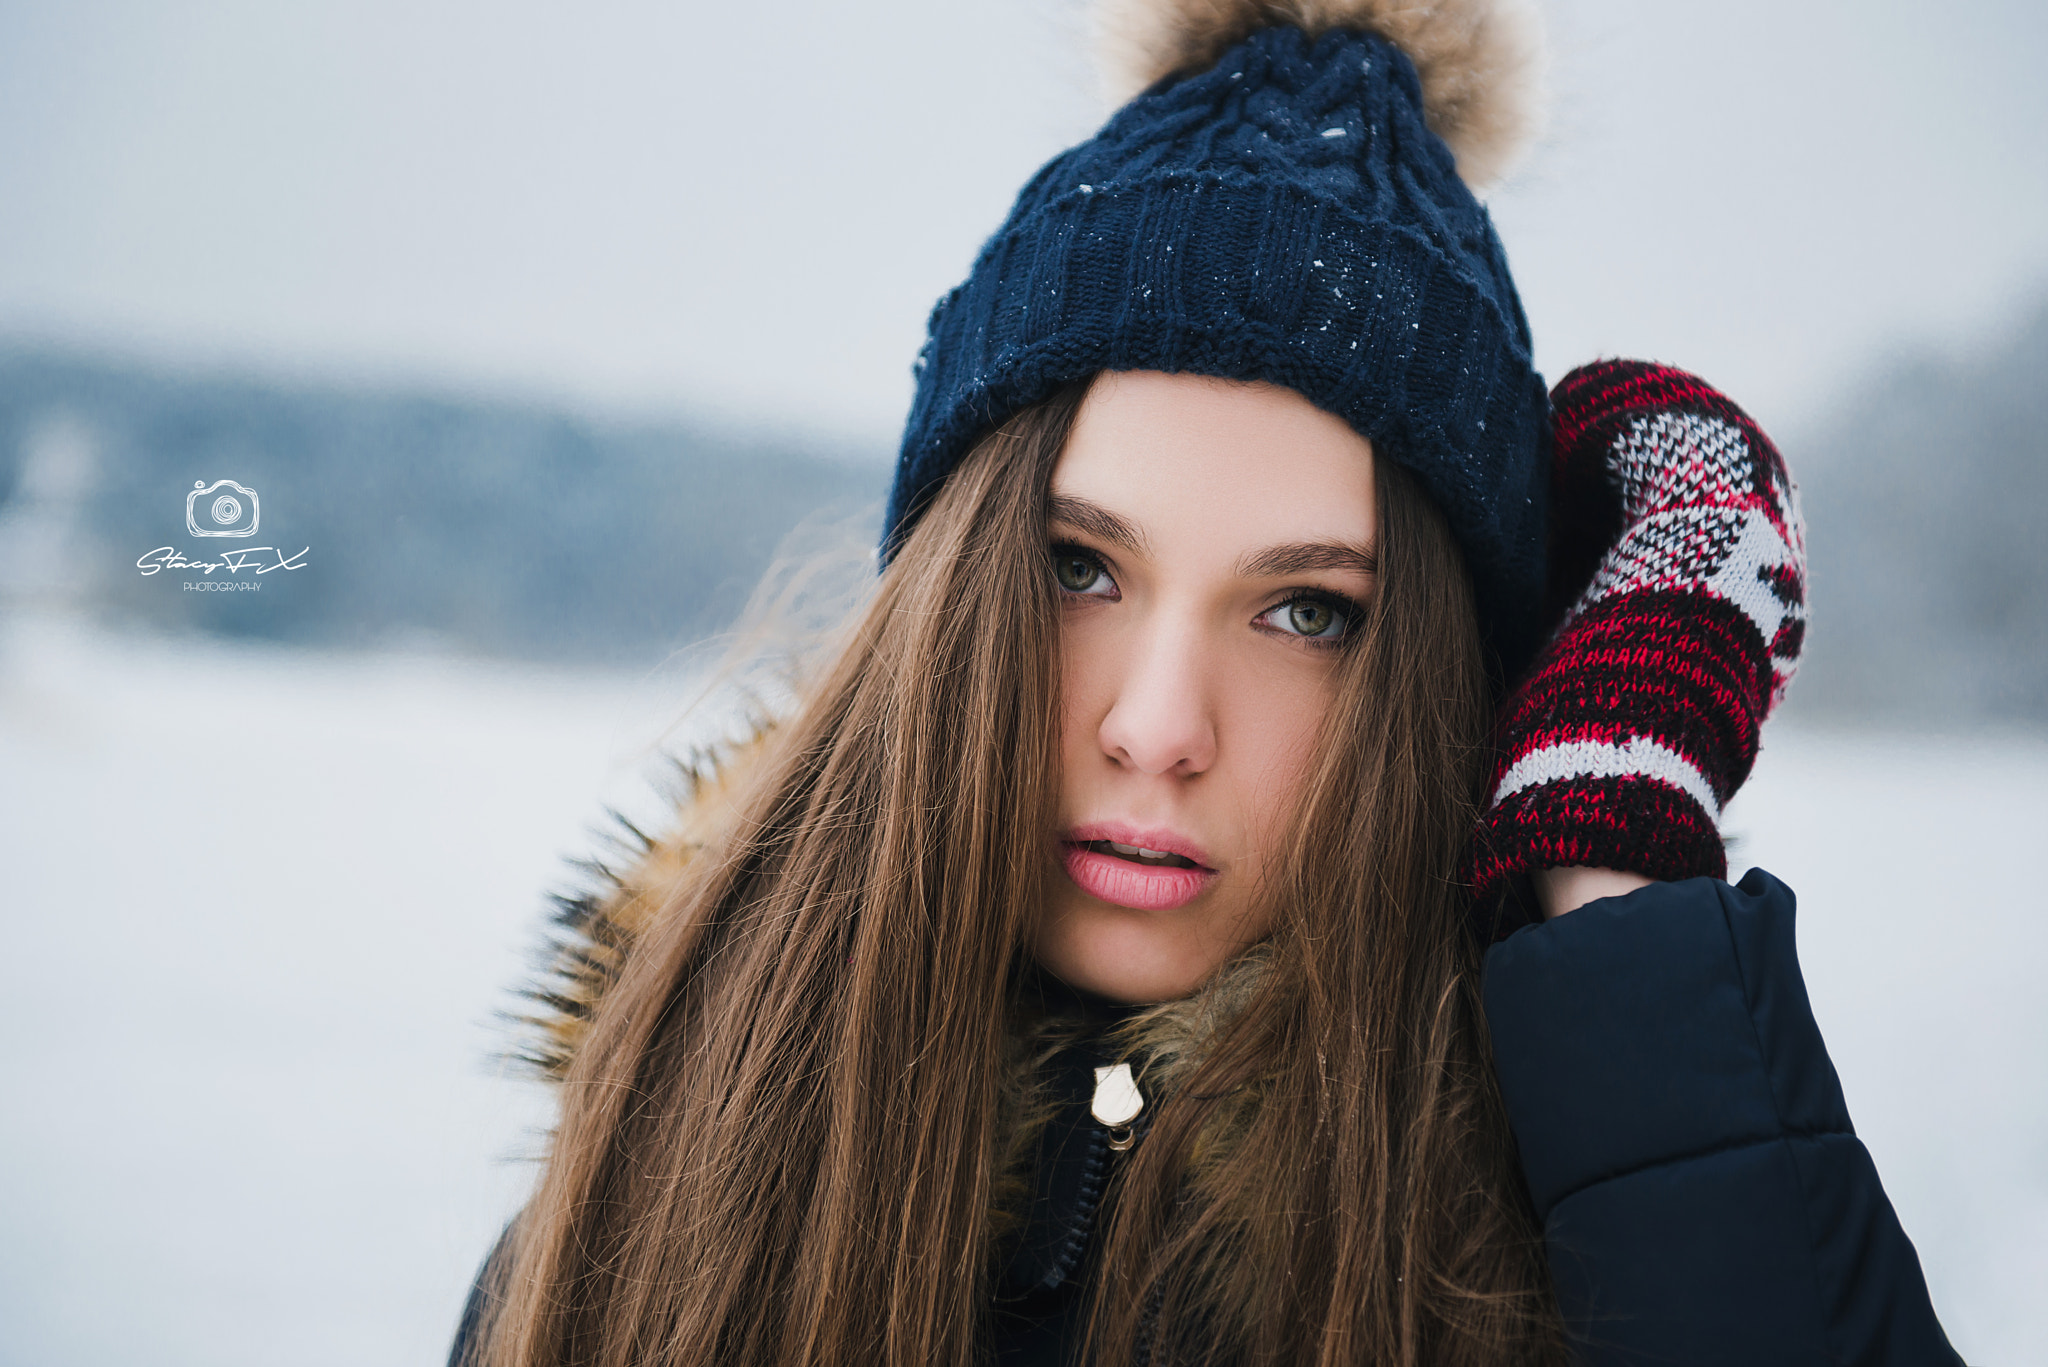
1703	1197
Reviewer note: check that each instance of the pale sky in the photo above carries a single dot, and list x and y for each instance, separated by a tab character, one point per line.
747	210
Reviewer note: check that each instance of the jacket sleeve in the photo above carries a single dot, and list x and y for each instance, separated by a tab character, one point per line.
1704	1199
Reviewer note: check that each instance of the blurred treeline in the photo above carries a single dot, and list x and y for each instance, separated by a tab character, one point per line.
485	527
530	533
1926	500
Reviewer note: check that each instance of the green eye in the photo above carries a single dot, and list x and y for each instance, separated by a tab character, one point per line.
1323	620
1310	618
1076	573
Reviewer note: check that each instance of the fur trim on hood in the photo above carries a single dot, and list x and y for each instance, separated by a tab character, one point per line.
1481	62
624	887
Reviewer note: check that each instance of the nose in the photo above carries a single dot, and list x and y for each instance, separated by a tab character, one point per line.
1162	721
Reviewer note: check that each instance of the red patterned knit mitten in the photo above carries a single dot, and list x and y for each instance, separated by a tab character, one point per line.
1675	527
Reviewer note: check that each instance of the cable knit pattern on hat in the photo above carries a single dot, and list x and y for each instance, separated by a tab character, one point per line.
1284	215
1679	548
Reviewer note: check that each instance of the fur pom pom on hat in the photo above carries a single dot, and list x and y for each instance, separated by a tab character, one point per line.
1278	206
1481	62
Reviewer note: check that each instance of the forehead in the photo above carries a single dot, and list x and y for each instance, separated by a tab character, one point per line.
1219	463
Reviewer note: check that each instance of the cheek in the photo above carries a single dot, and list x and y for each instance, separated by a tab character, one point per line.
1086	690
1281	729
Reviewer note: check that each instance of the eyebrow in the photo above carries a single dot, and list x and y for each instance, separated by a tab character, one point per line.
1097	521
1273	562
1308	557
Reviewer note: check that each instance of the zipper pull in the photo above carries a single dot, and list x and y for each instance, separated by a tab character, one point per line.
1117	1103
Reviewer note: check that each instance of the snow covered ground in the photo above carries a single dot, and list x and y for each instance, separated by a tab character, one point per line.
260	909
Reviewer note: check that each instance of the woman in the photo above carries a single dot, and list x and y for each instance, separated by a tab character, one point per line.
1089	968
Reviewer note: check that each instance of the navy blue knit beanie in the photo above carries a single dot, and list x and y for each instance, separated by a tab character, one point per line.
1282	213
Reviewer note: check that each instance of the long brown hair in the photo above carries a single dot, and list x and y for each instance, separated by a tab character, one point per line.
780	1139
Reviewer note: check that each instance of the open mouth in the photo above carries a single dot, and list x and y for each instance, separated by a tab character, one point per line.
1137	854
1136	875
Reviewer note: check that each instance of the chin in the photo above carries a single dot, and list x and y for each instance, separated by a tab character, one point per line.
1129	956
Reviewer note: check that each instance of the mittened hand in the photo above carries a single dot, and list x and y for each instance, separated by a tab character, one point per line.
1679	558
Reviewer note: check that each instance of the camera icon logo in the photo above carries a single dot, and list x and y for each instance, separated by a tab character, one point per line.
211	512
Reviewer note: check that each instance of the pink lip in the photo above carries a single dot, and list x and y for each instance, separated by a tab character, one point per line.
1137	886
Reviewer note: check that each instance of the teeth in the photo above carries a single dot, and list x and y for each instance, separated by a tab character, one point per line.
1166	859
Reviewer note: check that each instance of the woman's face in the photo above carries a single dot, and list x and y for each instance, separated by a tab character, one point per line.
1212	542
